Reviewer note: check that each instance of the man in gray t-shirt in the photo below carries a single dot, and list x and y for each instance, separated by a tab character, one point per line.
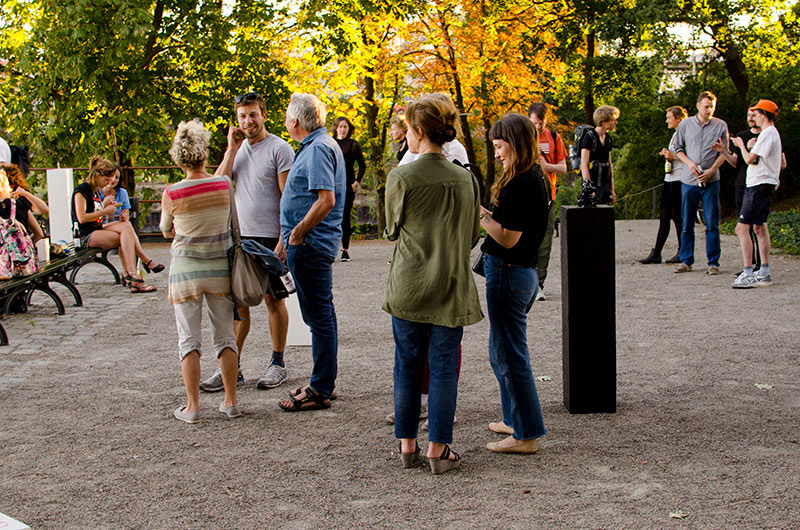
258	162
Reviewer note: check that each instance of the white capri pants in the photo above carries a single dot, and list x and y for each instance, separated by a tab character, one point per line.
189	320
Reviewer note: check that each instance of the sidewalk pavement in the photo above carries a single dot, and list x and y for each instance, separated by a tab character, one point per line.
706	435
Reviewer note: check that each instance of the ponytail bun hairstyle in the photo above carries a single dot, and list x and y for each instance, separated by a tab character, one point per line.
436	115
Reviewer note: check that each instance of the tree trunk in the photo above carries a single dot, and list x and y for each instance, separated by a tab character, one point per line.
127	176
588	77
375	147
736	71
490	165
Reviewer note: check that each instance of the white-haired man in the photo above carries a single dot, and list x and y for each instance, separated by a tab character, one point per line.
312	207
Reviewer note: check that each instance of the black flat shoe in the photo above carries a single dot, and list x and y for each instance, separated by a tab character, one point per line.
674	260
653	257
158	268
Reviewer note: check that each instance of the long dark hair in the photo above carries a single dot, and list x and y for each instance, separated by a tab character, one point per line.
336	123
523	139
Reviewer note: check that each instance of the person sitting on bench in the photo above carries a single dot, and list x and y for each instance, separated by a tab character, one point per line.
88	210
27	203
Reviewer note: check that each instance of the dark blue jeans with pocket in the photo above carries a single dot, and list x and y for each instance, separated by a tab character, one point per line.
414	342
313	279
510	292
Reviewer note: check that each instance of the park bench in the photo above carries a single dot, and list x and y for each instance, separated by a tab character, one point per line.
62	271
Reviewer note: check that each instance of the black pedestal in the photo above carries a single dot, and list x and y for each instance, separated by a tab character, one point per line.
587	309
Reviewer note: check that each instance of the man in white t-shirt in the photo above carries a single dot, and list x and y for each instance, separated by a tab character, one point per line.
5	152
259	167
763	177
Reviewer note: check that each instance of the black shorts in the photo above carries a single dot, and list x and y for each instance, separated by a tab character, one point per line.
275	284
755	205
671	196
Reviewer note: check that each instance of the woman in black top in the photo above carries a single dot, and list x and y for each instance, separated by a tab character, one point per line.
515	229
88	211
351	149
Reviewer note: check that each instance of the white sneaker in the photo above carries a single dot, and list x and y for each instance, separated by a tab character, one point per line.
540	295
762	279
744	282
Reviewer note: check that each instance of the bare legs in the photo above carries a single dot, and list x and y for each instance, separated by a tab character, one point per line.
120	234
190	368
229	365
746	242
278	324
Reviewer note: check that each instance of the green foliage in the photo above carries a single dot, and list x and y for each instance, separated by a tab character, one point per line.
567	194
114	77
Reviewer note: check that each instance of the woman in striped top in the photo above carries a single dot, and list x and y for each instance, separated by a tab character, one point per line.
196	213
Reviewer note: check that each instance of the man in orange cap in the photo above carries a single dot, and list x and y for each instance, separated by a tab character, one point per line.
763	174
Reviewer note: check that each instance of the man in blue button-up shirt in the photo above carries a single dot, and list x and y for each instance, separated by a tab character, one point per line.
312	206
692	144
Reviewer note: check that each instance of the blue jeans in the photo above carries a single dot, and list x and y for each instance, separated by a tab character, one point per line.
413	342
690	198
313	279
510	291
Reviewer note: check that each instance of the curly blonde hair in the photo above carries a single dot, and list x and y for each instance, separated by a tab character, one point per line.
190	145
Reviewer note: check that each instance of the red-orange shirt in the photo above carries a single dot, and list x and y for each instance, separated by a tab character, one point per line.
552	148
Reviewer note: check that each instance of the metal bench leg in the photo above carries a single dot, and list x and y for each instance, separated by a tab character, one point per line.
45	288
10	298
74	272
61	278
3	336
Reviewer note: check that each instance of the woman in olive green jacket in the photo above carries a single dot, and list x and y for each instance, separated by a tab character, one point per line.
432	212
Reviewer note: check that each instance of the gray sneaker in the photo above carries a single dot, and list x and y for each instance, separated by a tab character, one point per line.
744	282
713	270
540	296
274	375
762	279
214	383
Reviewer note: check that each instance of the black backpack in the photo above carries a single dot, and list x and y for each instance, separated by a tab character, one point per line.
575	148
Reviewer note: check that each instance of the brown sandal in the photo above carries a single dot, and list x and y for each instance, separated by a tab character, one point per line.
411	459
443	463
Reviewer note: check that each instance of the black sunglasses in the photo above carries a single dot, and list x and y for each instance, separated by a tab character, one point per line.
247	97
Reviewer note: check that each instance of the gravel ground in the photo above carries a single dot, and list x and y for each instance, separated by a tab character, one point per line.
88	440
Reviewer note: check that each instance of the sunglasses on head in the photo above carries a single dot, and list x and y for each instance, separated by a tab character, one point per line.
247	97
106	172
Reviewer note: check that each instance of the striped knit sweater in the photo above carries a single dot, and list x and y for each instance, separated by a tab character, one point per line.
199	210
